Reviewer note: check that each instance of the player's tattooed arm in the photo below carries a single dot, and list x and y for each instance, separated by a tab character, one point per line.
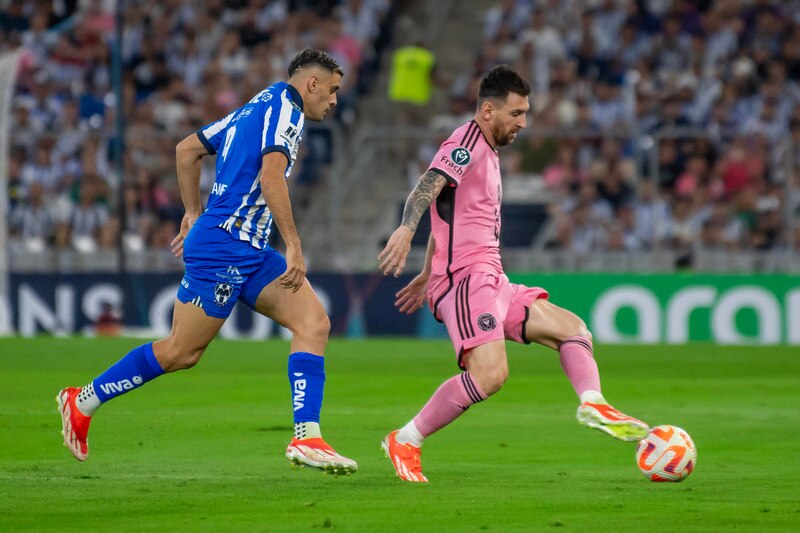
428	188
393	257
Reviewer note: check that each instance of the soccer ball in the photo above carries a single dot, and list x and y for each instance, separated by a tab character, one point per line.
667	453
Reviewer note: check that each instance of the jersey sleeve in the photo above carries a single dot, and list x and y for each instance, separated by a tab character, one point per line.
212	134
282	128
451	161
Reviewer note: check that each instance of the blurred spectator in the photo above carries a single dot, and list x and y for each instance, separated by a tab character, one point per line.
740	169
652	215
40	170
720	231
622	234
703	94
581	233
32	227
88	219
701	98
411	82
109	322
509	12
564	172
684	228
184	64
412	75
608	108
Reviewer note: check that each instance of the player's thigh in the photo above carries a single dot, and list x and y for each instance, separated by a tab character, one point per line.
488	365
192	331
297	311
192	326
473	311
549	324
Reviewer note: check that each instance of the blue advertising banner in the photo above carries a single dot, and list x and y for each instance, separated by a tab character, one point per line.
642	309
358	305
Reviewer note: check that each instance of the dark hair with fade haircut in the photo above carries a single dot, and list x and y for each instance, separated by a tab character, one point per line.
311	56
502	80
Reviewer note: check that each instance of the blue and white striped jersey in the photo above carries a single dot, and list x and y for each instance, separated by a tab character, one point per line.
271	122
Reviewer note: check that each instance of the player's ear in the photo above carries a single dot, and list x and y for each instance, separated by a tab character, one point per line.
313	83
487	109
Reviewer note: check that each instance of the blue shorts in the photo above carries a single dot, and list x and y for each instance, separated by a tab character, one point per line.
221	270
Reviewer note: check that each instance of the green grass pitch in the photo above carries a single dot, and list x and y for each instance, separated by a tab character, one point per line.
202	450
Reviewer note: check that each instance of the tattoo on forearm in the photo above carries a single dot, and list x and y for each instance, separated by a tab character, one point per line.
420	199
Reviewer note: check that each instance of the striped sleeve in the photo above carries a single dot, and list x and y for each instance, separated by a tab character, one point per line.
455	154
444	166
211	135
281	127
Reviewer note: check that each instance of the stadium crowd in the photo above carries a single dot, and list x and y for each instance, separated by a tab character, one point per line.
184	65
656	124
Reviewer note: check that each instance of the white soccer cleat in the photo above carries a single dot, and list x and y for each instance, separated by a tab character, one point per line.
316	453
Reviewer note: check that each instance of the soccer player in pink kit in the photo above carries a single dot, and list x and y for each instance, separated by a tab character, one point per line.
465	287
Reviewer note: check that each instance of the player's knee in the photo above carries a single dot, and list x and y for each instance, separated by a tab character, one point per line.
188	358
575	327
172	356
583	330
491	380
315	326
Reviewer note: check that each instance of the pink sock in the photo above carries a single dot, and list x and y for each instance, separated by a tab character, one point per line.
451	399
579	365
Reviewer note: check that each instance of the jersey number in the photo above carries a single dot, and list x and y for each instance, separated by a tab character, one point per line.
228	139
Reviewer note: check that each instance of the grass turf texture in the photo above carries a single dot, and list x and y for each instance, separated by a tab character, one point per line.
203	449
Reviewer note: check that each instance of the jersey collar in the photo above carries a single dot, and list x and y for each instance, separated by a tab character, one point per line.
485	138
295	96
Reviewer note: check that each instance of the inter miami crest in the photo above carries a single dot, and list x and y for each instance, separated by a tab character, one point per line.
461	156
222	293
487	322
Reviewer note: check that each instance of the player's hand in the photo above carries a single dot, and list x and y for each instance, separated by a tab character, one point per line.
295	273
411	298
393	257
186	224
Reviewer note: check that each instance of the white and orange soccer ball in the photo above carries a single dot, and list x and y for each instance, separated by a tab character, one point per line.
667	453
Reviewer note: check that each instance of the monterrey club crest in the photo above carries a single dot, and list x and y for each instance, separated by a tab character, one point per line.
487	322
461	156
222	293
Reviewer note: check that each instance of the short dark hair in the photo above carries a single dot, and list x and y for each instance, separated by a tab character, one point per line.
502	80
310	56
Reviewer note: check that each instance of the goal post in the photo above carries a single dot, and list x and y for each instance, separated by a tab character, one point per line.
8	76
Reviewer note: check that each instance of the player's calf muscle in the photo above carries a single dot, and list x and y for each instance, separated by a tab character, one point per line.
172	356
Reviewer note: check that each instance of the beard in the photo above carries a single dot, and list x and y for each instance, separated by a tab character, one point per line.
506	139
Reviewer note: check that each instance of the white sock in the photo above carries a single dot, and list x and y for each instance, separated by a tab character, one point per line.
88	402
307	430
409	434
592	396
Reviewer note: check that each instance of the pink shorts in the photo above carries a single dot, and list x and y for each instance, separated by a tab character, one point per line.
481	307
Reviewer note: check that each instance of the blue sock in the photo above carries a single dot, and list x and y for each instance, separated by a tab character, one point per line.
132	371
307	378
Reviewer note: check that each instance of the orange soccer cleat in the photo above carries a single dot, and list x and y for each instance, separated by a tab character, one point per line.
74	424
405	458
607	419
316	453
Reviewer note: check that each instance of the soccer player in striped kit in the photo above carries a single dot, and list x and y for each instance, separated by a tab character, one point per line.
227	258
465	287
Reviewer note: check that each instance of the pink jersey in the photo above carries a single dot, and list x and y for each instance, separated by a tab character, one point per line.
465	219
